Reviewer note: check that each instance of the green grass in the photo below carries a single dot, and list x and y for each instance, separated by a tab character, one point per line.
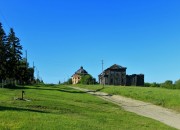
60	107
159	96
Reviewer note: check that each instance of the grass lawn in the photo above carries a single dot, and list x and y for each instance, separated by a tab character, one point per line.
60	107
169	98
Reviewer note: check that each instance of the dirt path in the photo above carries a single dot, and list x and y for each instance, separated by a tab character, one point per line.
166	116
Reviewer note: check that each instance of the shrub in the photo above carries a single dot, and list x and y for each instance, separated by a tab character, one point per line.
69	81
154	84
177	84
147	84
168	84
87	79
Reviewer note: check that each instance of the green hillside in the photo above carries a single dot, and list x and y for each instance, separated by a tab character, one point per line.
60	107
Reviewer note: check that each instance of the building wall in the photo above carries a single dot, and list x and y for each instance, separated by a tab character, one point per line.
119	77
116	77
76	78
140	80
113	77
135	80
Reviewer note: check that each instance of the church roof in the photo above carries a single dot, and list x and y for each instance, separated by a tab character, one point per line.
115	66
81	71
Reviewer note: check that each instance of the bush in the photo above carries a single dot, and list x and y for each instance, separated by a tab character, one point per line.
168	84
69	81
87	79
177	84
154	84
147	84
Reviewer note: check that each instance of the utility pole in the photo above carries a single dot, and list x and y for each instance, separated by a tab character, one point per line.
37	73
102	78
33	65
102	66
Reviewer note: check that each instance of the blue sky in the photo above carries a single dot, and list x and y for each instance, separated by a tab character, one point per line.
62	35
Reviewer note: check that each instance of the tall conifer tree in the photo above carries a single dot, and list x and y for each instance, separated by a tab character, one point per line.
2	53
14	54
12	66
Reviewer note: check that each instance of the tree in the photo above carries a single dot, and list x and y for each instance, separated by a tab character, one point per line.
87	79
12	66
25	74
14	54
177	84
168	84
69	81
2	53
154	84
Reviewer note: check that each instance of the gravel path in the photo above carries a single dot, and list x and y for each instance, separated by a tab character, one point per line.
166	116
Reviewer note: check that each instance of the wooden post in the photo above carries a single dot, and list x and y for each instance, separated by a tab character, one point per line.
23	95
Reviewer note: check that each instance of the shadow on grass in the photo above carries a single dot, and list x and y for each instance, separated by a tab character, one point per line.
99	89
9	86
43	88
71	91
31	87
14	87
63	89
4	108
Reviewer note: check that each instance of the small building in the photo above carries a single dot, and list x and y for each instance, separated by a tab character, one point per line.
116	75
76	77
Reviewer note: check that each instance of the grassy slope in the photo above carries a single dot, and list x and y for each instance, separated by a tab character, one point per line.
159	96
65	108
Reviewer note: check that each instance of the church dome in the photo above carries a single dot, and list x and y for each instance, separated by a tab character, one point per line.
81	71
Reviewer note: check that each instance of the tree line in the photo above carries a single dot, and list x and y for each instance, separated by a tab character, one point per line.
14	68
167	84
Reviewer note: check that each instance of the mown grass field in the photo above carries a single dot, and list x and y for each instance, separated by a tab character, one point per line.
169	98
62	108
